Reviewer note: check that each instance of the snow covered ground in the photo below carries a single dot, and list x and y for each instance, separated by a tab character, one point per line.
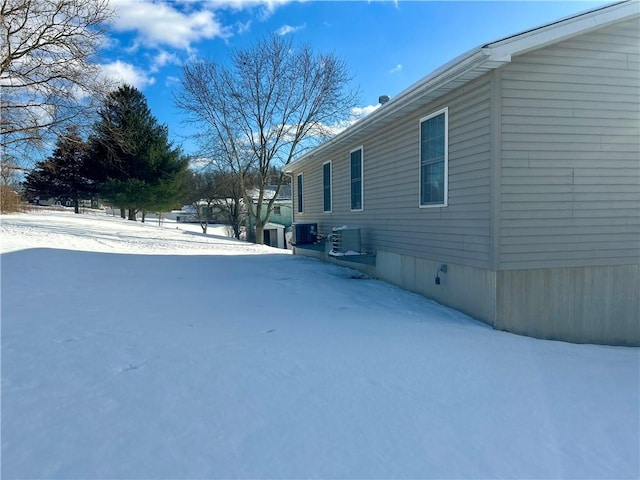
132	350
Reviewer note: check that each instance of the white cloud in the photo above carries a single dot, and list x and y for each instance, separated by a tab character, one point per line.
396	69
121	72
243	27
171	81
360	112
160	23
163	58
286	29
357	113
270	5
201	163
180	23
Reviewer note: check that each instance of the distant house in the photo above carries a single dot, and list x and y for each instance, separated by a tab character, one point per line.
280	218
67	202
505	184
212	211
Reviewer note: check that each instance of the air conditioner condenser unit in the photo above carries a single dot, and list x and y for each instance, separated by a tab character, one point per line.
345	239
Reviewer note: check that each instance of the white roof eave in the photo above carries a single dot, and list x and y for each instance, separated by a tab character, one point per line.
466	68
561	30
470	66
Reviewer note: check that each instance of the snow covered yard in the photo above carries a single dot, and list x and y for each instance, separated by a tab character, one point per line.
136	351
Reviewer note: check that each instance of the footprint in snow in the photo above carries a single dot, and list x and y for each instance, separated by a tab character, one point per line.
127	368
65	340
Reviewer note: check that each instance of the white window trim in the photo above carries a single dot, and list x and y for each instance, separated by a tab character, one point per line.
361	209
446	158
330	186
299	201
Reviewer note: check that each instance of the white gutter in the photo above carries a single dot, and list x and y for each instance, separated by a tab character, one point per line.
439	78
504	49
482	59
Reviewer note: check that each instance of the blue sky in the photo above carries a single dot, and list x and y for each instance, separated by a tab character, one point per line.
386	45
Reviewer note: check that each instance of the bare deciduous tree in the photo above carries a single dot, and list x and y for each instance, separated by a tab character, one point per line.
200	192
46	66
215	194
273	102
10	174
230	199
10	171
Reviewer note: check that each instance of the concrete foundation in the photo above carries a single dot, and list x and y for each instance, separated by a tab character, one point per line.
470	290
580	304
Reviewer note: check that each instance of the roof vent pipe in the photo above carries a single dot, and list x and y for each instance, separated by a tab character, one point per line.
382	99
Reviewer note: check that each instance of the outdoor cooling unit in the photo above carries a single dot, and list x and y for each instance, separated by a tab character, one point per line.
304	233
345	239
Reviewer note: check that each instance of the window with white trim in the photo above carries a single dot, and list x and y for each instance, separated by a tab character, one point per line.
326	187
357	170
300	198
434	161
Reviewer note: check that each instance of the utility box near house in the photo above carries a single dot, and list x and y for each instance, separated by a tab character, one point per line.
345	239
304	233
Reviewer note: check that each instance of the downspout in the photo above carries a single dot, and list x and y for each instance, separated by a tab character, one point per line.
293	210
495	161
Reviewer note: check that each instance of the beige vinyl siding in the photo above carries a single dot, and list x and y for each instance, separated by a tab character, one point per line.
312	194
392	220
570	169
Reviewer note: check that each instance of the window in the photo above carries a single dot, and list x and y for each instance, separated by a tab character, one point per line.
356	179
326	186
300	204
276	210
434	152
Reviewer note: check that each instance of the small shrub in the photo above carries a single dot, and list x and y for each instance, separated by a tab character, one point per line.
9	200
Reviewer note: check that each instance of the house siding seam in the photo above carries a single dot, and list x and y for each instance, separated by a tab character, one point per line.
392	220
570	188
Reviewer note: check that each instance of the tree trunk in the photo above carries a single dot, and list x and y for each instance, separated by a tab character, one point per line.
250	233
132	215
76	205
204	226
235	219
122	213
144	215
260	234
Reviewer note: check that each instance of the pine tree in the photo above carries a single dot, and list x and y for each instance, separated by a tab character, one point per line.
62	175
136	165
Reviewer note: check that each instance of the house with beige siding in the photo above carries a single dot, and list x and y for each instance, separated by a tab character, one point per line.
505	184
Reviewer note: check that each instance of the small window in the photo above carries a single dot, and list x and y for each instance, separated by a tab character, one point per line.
300	203
356	179
434	153
326	186
276	210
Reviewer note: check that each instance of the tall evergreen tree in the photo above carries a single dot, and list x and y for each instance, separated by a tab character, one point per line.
62	175
132	159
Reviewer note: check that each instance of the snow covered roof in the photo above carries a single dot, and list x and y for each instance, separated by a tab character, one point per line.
270	191
472	65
